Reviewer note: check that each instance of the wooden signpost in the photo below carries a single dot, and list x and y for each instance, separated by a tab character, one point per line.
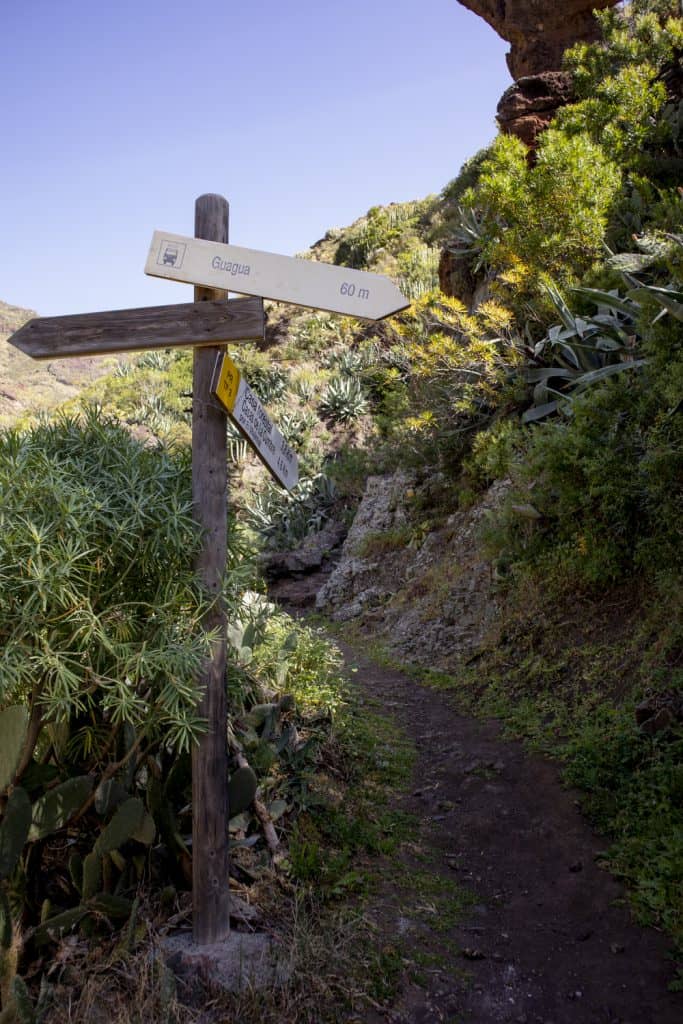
134	330
247	413
249	272
208	262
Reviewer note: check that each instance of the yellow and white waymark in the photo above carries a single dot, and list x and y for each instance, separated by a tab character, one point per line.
252	420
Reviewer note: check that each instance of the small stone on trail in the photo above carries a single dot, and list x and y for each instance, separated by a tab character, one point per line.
473	954
617	947
576	866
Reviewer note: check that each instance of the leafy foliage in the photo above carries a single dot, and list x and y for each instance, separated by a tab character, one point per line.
384	229
545	220
99	609
459	368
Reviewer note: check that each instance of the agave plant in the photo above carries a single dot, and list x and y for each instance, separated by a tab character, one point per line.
579	352
469	235
286	517
347	362
343	400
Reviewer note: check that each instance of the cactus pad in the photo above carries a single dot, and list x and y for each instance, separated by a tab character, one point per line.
23	1004
109	795
92	875
53	810
127	819
13	725
241	790
14	830
57	926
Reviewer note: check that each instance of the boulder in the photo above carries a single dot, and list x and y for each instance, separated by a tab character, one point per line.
527	107
309	556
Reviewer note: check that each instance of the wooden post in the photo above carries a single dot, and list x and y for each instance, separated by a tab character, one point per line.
210	867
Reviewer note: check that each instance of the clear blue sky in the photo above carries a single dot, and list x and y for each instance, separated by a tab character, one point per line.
303	114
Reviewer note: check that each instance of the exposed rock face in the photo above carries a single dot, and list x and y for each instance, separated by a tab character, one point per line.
529	105
539	31
432	599
356	584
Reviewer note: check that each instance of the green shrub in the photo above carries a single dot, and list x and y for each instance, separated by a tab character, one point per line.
620	85
418	270
383	229
548	219
99	607
460	366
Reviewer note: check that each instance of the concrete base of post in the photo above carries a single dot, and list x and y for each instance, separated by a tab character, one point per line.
242	961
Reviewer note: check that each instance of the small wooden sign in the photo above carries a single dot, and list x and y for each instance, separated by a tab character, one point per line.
283	278
247	413
188	325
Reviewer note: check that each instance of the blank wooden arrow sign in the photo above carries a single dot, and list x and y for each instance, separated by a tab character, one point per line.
283	278
188	325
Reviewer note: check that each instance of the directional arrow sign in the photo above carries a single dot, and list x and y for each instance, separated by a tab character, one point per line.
251	418
191	324
302	282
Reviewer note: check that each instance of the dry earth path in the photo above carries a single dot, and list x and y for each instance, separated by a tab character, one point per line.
547	937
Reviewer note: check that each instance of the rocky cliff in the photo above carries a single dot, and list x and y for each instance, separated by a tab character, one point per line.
539	31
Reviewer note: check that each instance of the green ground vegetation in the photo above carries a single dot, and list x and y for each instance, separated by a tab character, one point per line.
565	378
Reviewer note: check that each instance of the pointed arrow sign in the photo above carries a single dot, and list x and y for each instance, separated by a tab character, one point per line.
187	325
247	413
283	278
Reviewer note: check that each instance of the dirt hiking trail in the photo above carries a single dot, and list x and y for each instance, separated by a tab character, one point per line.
546	937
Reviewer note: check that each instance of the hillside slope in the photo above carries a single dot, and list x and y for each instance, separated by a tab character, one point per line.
27	386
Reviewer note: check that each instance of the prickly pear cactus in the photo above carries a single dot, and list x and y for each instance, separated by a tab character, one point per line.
92	875
241	790
127	819
76	871
54	809
55	927
5	923
14	830
109	795
146	831
13	725
117	907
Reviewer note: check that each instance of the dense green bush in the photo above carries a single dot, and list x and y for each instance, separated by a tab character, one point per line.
458	377
605	484
620	83
383	230
99	608
545	220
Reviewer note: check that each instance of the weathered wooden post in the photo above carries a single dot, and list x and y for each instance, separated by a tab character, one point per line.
210	866
208	262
